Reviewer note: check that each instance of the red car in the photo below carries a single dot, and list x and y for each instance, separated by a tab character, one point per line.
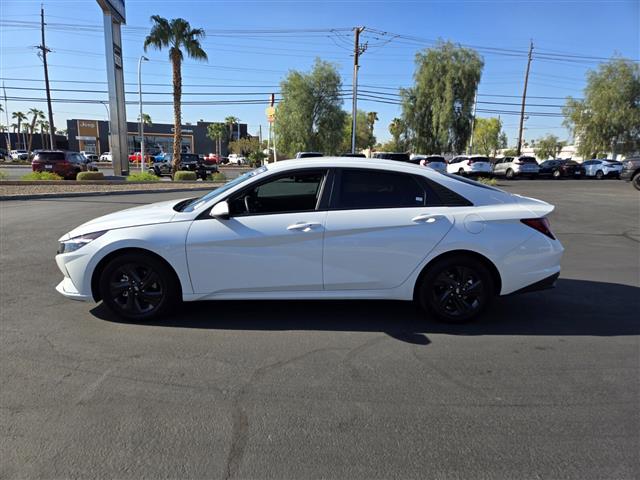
212	159
63	163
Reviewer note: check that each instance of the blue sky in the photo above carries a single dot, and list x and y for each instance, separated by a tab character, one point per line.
244	63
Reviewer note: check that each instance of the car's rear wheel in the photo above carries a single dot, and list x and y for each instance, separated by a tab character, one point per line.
636	181
456	290
461	171
599	174
509	174
138	287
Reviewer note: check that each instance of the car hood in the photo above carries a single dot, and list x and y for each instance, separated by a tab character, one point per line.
161	212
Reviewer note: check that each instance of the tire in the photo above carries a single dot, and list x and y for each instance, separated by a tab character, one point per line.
455	289
636	181
599	174
461	172
138	287
509	175
556	174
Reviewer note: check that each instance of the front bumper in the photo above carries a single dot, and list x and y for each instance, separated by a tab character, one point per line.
626	175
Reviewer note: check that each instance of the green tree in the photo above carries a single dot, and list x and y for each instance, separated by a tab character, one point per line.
398	129
19	117
437	110
548	146
608	119
512	152
178	36
36	115
216	131
310	117
364	134
486	136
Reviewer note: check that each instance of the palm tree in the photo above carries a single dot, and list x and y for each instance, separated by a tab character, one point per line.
231	121
396	128
178	35
216	131
146	119
37	115
44	128
19	117
372	118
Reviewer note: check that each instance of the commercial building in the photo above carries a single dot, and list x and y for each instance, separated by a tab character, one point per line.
93	136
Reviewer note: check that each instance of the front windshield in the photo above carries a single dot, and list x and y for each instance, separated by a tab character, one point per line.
198	202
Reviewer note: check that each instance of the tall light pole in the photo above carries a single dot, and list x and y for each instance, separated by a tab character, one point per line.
145	59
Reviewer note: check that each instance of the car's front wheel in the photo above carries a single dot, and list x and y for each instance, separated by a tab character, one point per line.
456	290
556	174
636	181
138	287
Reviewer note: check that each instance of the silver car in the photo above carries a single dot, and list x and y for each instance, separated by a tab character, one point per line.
511	167
601	168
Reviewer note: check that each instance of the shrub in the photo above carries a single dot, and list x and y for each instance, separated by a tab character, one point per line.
488	181
41	176
90	176
3	175
219	177
143	177
188	176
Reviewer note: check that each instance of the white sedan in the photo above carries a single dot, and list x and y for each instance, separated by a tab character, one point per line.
331	228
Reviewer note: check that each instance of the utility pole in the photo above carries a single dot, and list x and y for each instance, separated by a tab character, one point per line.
44	50
524	100
473	122
6	112
357	51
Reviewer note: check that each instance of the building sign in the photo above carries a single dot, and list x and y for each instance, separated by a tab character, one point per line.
184	130
115	7
87	128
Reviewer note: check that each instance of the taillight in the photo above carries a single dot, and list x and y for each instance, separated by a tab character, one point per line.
470	161
540	224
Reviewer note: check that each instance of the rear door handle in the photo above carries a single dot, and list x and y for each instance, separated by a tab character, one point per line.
425	218
303	226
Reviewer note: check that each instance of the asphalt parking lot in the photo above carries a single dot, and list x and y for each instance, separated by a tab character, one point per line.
545	385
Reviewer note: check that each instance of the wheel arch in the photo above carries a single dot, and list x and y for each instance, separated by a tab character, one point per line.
491	267
97	272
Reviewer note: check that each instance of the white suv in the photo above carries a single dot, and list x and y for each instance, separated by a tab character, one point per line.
236	159
512	167
473	165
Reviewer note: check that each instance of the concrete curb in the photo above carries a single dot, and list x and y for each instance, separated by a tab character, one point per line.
36	196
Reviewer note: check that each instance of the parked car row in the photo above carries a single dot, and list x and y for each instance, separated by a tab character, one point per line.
163	165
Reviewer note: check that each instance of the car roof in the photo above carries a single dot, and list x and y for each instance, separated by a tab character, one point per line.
346	162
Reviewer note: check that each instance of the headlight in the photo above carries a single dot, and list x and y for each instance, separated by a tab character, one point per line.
75	243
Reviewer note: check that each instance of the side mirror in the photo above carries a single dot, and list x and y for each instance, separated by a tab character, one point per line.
220	211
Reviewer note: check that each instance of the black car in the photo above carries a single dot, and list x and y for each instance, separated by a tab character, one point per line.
561	169
189	162
631	171
401	157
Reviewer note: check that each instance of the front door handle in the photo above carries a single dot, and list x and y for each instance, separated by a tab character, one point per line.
425	218
303	226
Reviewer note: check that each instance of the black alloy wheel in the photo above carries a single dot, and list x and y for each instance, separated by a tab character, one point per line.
456	290
137	287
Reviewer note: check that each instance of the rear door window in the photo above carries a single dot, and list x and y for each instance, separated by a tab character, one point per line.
360	188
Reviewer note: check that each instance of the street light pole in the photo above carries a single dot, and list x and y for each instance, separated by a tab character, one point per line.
142	58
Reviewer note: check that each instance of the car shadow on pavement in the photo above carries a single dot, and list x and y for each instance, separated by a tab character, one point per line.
574	307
